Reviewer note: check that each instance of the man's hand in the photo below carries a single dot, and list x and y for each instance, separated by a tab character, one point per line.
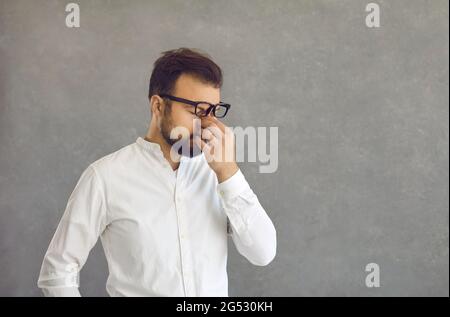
217	142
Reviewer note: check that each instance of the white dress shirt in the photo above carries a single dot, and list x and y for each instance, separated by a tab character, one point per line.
164	233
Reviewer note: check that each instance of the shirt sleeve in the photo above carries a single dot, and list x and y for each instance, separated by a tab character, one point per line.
250	227
83	221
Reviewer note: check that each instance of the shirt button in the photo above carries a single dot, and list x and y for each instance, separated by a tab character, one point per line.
222	192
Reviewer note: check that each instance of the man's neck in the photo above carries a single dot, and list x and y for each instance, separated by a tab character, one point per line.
154	138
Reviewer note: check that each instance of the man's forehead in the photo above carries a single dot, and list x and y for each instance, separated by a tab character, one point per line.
189	87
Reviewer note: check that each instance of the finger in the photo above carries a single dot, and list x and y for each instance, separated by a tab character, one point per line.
213	143
207	134
209	120
219	124
215	131
206	122
201	144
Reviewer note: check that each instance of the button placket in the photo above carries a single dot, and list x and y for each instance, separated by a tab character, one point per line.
184	246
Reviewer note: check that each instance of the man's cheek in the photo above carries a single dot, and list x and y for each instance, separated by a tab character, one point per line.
182	125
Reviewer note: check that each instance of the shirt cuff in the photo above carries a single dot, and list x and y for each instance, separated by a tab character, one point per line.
233	186
61	292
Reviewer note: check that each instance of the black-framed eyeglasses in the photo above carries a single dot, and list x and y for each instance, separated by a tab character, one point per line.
202	108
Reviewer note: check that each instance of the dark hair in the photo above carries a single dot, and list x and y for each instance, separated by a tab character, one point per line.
173	63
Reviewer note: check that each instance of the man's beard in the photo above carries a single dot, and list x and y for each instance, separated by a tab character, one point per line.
188	147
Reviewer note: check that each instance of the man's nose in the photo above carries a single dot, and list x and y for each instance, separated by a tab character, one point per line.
206	120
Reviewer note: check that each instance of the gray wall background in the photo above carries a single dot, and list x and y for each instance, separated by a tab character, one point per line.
362	115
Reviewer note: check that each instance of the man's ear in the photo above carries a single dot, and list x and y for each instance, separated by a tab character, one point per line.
156	105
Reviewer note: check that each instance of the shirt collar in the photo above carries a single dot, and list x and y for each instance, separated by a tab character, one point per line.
155	149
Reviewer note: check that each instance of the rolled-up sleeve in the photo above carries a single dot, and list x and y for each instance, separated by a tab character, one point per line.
83	221
252	231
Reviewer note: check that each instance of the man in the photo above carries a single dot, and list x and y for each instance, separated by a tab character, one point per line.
163	213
